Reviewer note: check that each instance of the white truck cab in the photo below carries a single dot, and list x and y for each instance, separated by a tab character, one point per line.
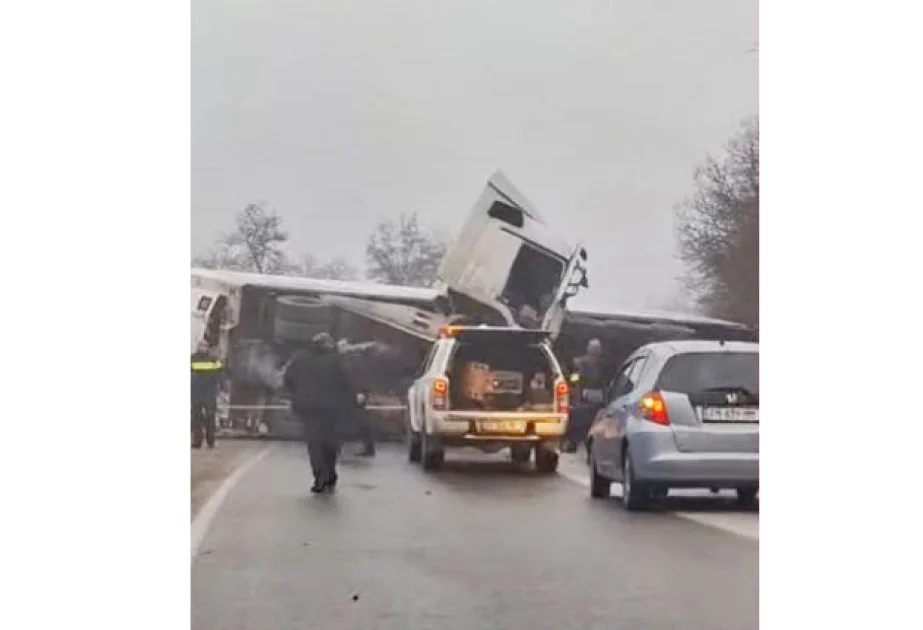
489	388
509	266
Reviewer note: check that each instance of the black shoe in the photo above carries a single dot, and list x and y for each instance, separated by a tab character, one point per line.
318	487
332	484
367	452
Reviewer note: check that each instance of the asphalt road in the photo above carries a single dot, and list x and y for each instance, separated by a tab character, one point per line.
477	546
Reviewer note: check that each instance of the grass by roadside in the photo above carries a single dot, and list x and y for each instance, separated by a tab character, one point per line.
210	467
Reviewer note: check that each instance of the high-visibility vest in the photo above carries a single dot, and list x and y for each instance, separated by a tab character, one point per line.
206	366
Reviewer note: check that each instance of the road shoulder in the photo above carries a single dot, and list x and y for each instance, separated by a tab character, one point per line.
209	468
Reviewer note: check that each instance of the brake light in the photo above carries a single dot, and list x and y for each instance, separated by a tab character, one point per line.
562	397
654	408
440	394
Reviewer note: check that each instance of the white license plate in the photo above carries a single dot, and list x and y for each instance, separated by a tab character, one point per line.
731	414
502	426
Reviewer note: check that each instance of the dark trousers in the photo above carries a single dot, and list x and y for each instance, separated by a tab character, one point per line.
323	445
581	417
203	422
323	456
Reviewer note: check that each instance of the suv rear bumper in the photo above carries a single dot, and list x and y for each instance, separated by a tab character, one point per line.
539	426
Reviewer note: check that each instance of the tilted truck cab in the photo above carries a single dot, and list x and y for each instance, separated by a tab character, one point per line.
508	267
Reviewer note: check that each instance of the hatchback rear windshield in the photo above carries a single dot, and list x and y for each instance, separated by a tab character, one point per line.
698	371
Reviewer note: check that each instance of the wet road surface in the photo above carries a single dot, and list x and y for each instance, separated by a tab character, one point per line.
479	545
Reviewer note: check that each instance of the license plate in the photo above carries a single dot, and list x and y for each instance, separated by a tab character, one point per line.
502	426
731	414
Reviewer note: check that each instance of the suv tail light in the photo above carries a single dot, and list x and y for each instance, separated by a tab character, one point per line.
562	397
654	408
440	394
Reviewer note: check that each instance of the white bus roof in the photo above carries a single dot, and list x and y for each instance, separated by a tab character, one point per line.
297	283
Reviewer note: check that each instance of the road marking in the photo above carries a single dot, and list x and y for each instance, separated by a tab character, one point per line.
206	515
744	525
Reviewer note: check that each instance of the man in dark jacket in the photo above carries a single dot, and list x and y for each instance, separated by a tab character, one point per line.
321	397
206	381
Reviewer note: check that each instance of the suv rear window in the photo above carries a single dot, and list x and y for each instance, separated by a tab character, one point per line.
698	371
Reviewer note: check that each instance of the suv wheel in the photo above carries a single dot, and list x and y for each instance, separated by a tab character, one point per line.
634	493
414	448
432	454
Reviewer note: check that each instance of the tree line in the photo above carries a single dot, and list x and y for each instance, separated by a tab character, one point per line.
717	231
400	251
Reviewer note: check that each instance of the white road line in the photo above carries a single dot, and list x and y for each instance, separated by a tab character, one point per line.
745	525
206	515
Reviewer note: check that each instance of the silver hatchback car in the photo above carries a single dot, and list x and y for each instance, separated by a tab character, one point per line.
679	414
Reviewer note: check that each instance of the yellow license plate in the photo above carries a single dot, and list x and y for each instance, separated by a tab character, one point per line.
502	426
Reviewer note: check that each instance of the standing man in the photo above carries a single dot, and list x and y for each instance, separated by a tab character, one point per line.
321	397
587	386
206	381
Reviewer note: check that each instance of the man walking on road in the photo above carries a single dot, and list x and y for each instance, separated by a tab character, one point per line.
322	397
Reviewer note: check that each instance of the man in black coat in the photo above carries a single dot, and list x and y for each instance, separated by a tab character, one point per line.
322	397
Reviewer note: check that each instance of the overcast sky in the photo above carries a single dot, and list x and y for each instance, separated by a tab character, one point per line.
340	113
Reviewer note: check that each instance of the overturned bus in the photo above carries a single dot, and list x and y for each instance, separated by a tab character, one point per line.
506	267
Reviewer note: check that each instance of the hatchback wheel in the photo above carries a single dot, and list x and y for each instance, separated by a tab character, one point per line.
658	493
634	493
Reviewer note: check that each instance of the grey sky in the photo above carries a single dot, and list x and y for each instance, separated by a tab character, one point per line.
339	113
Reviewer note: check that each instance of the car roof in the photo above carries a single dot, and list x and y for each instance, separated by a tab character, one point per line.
687	346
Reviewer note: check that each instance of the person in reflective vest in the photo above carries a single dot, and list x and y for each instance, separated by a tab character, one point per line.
206	382
586	394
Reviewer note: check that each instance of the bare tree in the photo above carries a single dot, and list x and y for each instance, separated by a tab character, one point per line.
218	257
254	245
402	252
333	269
718	230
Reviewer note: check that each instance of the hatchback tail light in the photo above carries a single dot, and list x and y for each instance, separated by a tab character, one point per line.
654	408
440	394
562	397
